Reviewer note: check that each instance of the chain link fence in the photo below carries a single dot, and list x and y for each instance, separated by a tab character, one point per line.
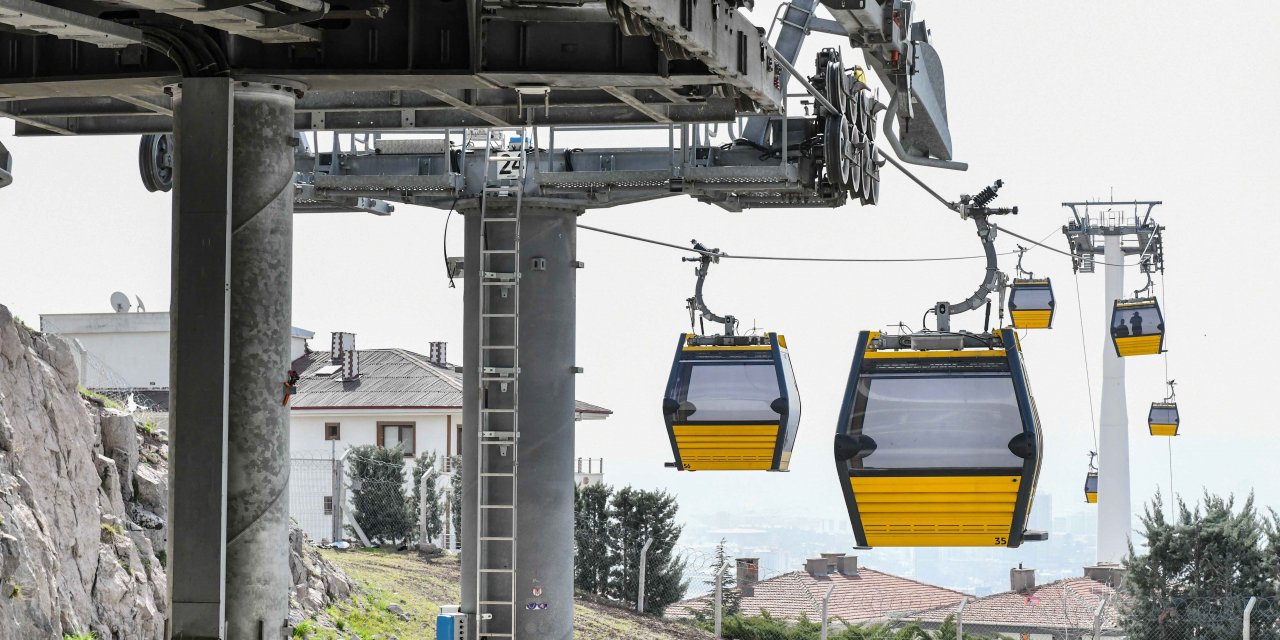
374	496
1223	617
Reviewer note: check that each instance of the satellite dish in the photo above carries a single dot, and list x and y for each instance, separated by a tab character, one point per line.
142	308
120	302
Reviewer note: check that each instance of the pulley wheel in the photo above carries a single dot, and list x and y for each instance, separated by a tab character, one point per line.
871	181
852	158
832	151
834	86
155	161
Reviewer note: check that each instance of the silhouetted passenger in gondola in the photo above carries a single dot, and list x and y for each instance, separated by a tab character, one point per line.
1135	321
1121	330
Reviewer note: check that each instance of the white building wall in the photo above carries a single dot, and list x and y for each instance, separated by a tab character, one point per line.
359	427
312	478
126	349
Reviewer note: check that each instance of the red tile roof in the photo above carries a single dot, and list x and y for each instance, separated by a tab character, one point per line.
1072	602
870	595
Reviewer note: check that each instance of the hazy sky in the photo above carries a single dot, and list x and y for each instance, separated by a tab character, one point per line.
1062	101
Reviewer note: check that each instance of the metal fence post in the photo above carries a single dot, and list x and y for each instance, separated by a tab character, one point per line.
960	618
826	599
1248	612
1097	616
422	510
339	494
719	593
336	499
644	558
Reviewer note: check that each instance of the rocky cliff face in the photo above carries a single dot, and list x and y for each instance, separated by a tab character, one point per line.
82	501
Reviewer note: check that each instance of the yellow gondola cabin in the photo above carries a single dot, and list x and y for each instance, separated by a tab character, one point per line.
732	404
938	442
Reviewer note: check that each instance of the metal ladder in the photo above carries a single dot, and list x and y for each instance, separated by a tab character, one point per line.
498	378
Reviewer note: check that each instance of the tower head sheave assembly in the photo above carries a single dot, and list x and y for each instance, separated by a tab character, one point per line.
1111	219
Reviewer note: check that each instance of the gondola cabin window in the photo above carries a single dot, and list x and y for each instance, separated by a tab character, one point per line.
1034	298
729	392
1163	415
1142	321
935	422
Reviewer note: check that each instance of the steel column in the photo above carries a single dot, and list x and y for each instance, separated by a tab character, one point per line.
199	343
545	496
1113	425
258	576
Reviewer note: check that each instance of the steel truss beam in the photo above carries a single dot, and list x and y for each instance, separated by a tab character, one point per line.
735	178
426	64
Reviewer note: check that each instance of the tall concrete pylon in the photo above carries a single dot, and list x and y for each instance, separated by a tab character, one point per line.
1113	456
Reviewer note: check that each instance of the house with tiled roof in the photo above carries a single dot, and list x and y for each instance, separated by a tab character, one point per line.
1056	610
860	595
346	397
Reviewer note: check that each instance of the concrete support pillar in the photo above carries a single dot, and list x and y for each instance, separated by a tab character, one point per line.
200	314
258	576
232	278
1113	455
546	444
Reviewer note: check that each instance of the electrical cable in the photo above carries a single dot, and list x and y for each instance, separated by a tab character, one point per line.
1165	297
1084	352
778	258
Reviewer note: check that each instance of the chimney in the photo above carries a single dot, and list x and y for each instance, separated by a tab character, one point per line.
847	565
439	353
1022	580
1109	574
341	342
818	567
748	575
350	364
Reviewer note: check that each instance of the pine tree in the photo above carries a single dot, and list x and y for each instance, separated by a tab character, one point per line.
425	464
455	498
730	597
592	530
638	516
378	497
1200	569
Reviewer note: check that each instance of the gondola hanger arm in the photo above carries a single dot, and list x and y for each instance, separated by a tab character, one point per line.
705	259
975	208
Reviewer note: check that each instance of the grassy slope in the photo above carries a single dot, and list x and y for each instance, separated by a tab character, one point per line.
421	586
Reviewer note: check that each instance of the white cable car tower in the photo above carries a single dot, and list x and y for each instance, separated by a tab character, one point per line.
1083	232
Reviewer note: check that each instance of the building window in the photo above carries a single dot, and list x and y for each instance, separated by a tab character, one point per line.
459	441
328	505
390	435
333	431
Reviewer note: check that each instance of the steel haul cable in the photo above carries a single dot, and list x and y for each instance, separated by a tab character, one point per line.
780	258
1084	352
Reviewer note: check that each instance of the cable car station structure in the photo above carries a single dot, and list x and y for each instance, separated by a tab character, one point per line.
1112	235
235	82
